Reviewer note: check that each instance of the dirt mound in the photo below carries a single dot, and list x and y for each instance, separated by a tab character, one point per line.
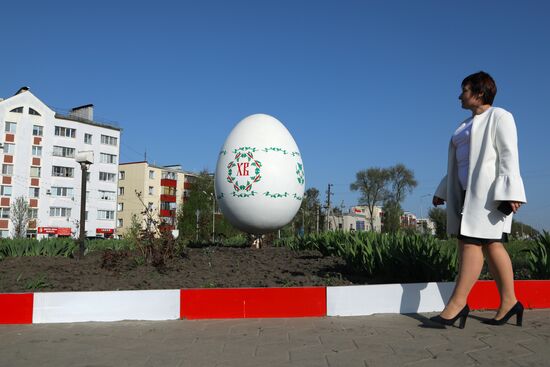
207	267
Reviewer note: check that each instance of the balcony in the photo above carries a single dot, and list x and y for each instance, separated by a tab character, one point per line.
168	198
187	185
165	213
168	182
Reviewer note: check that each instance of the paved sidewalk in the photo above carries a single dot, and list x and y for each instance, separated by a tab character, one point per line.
380	340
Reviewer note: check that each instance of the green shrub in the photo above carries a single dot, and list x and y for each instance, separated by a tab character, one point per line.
16	247
384	257
537	256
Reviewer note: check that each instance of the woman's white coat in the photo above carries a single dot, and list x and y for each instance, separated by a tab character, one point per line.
493	176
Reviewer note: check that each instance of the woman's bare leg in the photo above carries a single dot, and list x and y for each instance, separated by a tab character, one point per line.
503	273
492	269
470	265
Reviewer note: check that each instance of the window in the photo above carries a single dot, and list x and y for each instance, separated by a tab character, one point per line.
9	148
10	127
169	175
4	212
7	169
120	207
34	192
150	206
167	206
105	214
17	110
34	112
60	212
5	190
37	130
35	171
88	138
109	140
168	190
33	213
107	158
59	191
66	152
36	150
106	176
86	215
121	191
119	222
65	131
151	174
88	176
107	195
4	234
59	171
121	175
151	190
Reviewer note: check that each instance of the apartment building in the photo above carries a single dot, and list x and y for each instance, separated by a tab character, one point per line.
158	189
39	147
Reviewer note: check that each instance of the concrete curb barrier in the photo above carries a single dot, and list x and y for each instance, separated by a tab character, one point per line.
58	307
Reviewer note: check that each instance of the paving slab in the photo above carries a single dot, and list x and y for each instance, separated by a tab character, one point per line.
365	341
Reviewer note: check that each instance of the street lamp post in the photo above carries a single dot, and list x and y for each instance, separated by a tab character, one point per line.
213	218
197	213
85	159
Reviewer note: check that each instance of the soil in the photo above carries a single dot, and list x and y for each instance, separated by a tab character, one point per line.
208	267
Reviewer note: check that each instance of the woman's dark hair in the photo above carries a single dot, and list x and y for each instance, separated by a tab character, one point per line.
483	83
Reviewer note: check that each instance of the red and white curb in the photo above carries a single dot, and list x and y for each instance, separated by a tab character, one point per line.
61	307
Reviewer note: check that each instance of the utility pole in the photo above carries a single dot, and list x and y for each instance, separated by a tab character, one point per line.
328	206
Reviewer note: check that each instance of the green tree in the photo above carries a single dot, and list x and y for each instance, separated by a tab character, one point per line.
372	184
392	215
402	182
199	199
305	220
522	230
19	216
133	232
439	217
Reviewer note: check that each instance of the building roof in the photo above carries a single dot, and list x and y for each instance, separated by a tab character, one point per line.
64	116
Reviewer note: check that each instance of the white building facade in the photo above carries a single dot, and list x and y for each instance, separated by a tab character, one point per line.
38	163
358	219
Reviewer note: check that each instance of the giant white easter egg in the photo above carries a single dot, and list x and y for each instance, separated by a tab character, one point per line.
259	176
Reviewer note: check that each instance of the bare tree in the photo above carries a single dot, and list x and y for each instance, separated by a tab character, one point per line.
19	216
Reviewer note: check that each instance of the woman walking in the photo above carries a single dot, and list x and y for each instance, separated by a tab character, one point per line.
482	188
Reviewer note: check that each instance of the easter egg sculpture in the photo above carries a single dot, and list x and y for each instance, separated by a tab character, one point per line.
259	176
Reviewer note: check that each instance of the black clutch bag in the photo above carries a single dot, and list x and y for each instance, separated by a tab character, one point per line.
505	207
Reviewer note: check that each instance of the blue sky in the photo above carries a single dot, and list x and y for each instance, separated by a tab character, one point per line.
359	84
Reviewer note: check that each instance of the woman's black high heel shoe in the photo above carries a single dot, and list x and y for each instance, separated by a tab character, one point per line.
462	315
516	310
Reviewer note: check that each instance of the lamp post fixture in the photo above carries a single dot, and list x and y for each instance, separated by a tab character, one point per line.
85	159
